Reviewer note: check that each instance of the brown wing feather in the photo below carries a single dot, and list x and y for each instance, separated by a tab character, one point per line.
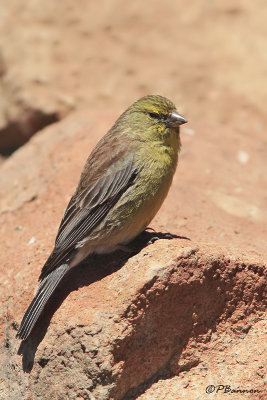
88	207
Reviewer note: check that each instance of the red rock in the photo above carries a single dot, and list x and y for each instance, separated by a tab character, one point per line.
169	315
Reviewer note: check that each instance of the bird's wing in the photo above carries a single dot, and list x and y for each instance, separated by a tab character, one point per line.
88	208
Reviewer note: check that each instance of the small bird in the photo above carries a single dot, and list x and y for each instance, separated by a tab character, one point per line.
122	186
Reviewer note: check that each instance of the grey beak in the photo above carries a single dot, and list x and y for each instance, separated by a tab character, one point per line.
175	119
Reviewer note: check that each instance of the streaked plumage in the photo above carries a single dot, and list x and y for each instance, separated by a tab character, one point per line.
124	182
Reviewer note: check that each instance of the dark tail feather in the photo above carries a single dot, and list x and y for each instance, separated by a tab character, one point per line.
45	290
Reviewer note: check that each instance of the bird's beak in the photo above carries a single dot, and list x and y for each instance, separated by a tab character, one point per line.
174	120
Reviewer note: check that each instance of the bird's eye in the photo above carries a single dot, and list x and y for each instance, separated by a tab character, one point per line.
153	115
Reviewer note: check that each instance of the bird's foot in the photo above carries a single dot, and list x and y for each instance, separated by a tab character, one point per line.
167	235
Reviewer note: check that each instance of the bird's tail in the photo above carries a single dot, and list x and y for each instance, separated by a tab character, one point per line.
45	290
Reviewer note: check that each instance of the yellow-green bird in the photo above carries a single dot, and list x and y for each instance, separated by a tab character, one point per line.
123	184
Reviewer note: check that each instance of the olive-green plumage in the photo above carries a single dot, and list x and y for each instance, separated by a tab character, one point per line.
123	184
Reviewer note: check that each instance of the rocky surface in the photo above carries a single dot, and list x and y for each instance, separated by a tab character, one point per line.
177	316
180	315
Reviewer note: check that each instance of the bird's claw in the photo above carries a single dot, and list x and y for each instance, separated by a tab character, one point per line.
152	240
166	235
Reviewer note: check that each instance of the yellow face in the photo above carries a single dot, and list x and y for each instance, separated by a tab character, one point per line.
154	104
153	118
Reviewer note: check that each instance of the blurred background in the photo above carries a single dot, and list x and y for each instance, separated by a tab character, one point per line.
90	60
208	56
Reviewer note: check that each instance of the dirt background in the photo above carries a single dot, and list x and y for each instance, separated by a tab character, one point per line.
208	57
82	63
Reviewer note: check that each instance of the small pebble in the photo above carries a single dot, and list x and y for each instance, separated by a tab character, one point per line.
243	157
31	241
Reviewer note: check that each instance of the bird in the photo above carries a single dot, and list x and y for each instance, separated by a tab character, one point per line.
121	188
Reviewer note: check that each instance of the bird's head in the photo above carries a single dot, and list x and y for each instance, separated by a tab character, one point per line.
154	117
